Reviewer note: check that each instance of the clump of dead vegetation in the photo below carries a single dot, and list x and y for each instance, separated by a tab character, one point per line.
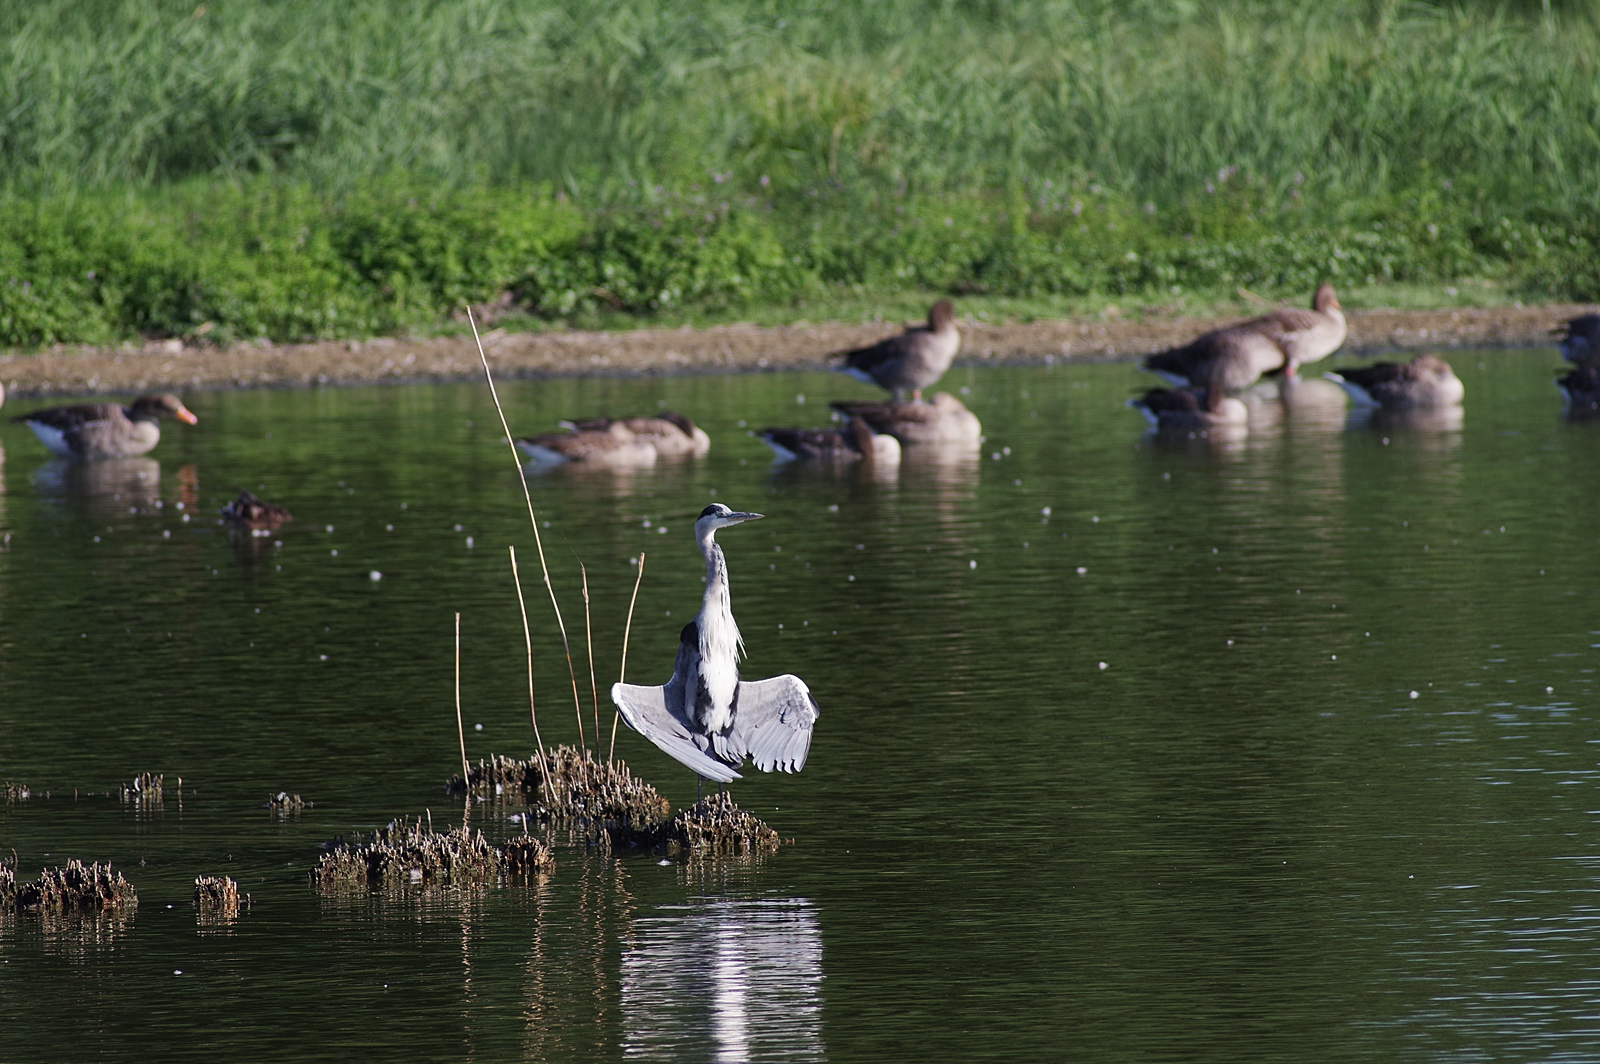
713	827
146	789
74	887
285	804
217	900
409	853
567	784
19	792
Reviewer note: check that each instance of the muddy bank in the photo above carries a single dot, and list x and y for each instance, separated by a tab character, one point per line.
726	348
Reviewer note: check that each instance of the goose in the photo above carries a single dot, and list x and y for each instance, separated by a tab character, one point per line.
705	716
247	511
852	443
1425	381
1581	390
669	432
615	446
1236	356
1579	339
945	419
105	430
1187	408
912	361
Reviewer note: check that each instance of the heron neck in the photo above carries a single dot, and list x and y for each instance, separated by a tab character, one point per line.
717	628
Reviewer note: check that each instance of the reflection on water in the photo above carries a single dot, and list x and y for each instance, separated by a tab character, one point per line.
725	979
1443	422
124	481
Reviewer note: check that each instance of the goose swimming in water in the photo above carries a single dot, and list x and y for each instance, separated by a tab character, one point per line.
910	362
1425	381
705	716
105	430
1579	339
669	432
1236	356
852	443
945	419
615	445
1187	408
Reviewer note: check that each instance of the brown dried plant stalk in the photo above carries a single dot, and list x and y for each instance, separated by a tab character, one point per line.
533	520
622	670
588	635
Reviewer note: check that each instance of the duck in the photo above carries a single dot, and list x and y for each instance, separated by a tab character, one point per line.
247	511
669	432
910	362
1579	339
943	420
1581	389
1425	381
615	446
105	430
1237	356
854	442
1189	408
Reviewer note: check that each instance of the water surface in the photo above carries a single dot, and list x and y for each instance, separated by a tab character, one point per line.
1131	749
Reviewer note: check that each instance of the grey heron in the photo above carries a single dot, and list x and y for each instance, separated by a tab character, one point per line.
705	716
1425	381
669	432
105	430
854	442
944	419
1236	356
614	445
912	361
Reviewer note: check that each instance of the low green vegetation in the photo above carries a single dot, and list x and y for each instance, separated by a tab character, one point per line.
294	170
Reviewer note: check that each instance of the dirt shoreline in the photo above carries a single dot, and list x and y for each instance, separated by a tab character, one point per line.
169	366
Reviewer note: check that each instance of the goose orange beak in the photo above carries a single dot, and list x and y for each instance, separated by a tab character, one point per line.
185	415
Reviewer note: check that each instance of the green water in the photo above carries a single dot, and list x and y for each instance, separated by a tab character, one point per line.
1241	838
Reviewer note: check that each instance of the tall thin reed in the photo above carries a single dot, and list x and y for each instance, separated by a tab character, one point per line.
622	670
461	732
527	639
588	632
533	520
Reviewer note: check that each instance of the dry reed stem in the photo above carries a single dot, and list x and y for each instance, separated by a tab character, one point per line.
527	639
588	635
622	670
461	732
538	541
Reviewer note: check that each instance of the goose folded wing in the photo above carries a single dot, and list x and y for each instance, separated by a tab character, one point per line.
873	355
772	723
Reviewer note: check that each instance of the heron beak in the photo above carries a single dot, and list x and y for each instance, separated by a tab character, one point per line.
735	518
184	415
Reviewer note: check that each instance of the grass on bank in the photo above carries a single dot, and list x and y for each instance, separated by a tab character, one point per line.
234	170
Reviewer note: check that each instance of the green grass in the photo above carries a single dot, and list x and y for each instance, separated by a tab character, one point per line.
294	169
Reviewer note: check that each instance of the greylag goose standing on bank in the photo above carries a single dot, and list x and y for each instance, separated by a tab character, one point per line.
669	432
852	443
910	362
247	511
615	445
944	420
1425	381
105	430
1579	339
705	716
1235	356
1187	408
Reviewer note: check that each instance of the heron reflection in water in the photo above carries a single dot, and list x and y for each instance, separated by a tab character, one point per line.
726	979
705	716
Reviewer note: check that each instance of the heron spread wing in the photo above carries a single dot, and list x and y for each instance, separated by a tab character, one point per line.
646	711
772	723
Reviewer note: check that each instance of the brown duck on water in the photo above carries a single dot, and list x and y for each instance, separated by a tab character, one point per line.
105	430
945	419
247	511
1425	381
852	443
1189	408
616	446
910	362
1236	356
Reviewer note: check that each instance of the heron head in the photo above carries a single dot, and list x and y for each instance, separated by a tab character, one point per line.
718	516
